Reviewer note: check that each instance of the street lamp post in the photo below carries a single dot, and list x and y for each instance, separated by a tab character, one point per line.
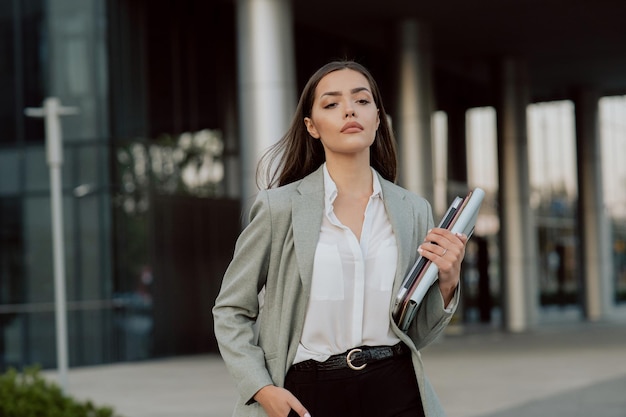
50	111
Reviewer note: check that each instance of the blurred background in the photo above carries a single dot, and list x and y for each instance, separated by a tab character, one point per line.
177	99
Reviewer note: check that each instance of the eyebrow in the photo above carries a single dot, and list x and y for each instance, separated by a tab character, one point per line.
353	91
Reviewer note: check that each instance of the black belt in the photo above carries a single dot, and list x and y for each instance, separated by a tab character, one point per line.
356	359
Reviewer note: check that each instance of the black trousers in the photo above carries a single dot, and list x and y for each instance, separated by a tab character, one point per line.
387	388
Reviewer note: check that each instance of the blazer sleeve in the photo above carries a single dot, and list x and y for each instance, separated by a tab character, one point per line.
237	304
432	317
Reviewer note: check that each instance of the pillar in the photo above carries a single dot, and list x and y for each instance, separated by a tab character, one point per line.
267	90
415	108
593	223
518	256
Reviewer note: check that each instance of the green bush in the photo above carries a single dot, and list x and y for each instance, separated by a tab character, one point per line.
28	394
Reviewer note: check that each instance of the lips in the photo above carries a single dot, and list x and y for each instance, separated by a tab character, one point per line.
351	127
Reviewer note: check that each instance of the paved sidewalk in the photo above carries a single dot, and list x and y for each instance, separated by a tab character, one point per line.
573	370
558	370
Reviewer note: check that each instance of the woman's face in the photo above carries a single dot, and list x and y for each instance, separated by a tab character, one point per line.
344	116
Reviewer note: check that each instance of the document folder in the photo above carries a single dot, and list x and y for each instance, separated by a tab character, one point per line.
459	218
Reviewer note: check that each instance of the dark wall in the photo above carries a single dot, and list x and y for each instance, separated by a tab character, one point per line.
192	244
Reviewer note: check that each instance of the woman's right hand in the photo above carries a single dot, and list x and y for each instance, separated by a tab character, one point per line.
278	402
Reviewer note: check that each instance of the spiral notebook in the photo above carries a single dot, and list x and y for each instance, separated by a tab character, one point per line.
460	217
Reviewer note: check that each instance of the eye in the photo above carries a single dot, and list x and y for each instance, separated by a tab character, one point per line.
330	106
363	101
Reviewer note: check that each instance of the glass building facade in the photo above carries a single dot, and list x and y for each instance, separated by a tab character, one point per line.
150	199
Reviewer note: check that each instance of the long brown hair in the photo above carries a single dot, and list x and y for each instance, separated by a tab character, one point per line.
297	154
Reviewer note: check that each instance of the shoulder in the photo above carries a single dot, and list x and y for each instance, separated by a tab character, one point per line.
392	191
280	196
277	202
271	202
312	183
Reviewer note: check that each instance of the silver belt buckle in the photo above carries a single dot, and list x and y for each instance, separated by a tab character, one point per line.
349	360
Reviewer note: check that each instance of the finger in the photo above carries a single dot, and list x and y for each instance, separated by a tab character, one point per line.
440	236
441	250
452	244
462	237
297	406
438	239
432	252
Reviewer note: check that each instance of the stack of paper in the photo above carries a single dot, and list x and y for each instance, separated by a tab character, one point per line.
460	218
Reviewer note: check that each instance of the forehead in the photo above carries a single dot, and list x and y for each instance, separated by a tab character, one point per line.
341	80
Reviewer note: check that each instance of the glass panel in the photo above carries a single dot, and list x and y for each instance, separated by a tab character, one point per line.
39	277
29	337
187	164
11	247
39	330
91	334
90	309
133	275
88	260
77	58
12	342
37	171
88	165
11	276
8	104
134	322
21	69
32	69
9	171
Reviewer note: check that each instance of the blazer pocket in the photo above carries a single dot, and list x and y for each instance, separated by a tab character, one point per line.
250	410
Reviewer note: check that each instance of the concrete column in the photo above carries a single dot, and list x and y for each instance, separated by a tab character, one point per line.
415	108
593	222
518	256
267	88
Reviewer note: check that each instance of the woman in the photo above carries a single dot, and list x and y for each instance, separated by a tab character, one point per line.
330	242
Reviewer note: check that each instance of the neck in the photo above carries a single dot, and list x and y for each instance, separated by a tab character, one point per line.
351	176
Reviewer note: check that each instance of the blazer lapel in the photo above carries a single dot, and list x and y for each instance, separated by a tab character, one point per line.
401	215
307	210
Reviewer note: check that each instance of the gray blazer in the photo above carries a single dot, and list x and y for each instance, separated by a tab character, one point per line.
275	252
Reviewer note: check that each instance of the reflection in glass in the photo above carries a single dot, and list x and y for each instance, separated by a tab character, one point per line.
190	164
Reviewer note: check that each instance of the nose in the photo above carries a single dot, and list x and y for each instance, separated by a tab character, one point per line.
350	111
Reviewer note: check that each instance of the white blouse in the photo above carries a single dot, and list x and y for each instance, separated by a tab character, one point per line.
352	281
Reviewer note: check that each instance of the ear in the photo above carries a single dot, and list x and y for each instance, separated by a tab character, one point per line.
377	118
310	127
